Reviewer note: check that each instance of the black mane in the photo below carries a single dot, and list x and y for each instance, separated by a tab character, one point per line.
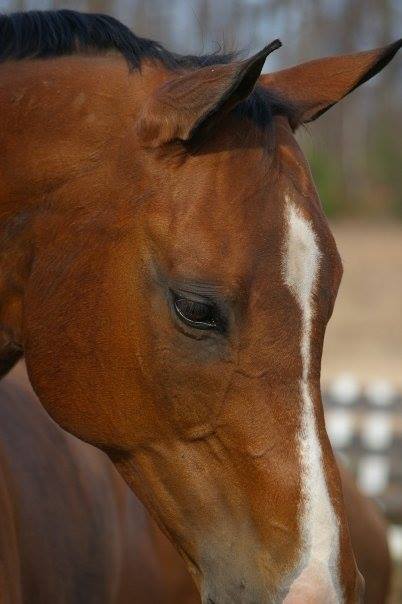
43	34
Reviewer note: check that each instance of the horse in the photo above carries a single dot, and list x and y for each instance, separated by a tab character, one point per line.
168	273
71	530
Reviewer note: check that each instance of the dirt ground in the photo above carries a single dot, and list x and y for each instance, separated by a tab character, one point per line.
364	336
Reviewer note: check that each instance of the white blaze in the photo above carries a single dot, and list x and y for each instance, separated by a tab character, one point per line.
320	530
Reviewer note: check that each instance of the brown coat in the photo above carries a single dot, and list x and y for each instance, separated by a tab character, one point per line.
71	531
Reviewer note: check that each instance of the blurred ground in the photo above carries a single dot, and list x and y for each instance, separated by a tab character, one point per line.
364	336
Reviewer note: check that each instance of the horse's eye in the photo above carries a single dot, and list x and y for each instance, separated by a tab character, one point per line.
201	315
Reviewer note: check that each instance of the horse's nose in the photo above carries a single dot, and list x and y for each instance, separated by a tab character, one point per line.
316	586
313	585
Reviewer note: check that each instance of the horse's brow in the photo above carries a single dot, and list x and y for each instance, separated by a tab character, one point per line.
209	289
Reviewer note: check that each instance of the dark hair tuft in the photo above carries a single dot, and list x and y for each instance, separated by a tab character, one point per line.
43	34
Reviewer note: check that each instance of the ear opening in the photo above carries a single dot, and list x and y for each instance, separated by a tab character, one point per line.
314	87
187	107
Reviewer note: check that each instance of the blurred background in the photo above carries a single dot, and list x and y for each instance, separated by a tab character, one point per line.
355	152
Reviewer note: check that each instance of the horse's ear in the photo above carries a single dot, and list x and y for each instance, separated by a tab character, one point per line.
312	88
186	107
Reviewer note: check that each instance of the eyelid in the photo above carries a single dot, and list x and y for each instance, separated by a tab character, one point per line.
194	297
208	291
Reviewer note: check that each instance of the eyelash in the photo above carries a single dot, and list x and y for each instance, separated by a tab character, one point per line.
211	320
